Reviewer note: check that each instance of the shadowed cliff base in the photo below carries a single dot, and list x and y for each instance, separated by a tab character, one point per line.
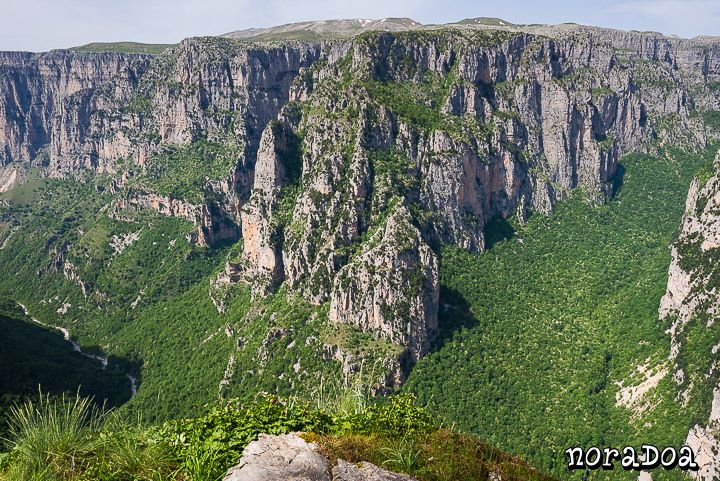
36	359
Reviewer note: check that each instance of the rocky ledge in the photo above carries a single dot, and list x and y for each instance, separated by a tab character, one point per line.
290	458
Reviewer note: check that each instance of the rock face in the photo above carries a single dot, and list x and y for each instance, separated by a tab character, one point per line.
10	176
340	162
704	443
72	111
46	99
214	226
290	458
392	287
690	305
276	166
345	471
278	458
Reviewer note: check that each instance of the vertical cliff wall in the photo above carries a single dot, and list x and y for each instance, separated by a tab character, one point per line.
318	154
690	306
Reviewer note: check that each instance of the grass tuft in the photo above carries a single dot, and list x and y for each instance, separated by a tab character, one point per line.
51	438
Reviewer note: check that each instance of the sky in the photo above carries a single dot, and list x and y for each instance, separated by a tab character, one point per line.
40	25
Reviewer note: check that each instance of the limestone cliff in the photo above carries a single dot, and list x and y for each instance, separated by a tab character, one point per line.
690	306
341	161
392	287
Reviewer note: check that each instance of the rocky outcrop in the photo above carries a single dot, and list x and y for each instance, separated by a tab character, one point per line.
392	287
290	458
705	444
690	306
213	225
276	166
462	129
44	97
89	110
691	289
10	176
345	471
280	457
72	111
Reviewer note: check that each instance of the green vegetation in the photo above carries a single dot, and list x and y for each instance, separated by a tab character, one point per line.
183	172
599	92
149	307
420	104
536	333
32	355
712	119
71	440
124	47
538	330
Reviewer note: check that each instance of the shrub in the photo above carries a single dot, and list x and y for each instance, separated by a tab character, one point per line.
52	438
209	445
398	416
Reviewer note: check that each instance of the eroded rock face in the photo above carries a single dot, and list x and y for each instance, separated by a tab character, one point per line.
213	225
88	110
70	112
262	263
276	458
691	304
392	287
46	98
690	290
289	457
10	176
705	444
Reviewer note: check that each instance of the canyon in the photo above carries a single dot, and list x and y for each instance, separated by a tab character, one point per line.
335	169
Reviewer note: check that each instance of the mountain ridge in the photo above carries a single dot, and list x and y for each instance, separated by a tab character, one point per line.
334	29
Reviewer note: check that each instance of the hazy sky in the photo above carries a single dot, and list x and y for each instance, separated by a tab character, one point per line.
46	24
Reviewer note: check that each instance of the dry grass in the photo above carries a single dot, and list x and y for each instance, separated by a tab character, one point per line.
442	455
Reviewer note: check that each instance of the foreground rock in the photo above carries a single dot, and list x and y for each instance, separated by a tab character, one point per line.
345	471
290	458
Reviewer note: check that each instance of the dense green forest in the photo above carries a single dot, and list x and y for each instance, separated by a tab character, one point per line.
538	330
